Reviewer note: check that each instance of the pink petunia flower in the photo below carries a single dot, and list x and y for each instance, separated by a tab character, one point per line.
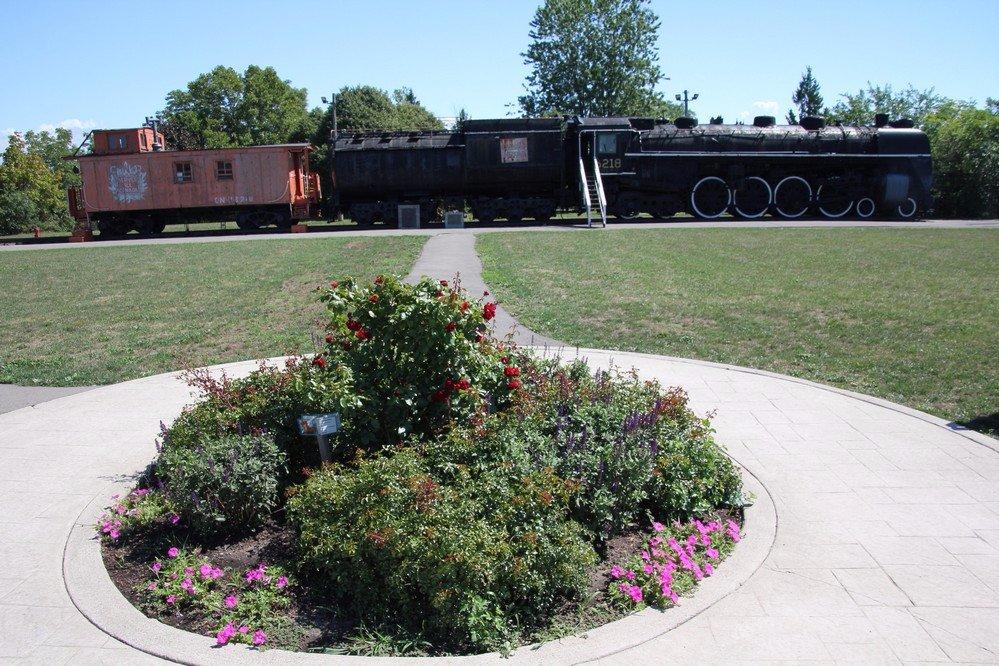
156	566
225	633
616	571
171	599
259	637
658	527
282	581
230	601
629	574
244	630
648	569
205	570
151	587
173	552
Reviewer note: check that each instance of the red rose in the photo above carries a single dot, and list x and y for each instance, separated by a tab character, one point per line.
373	298
450	326
443	283
353	325
488	311
511	371
462	384
504	359
334	284
362	334
439	396
513	384
319	361
380	279
329	339
448	384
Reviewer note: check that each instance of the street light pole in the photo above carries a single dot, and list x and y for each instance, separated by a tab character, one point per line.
686	98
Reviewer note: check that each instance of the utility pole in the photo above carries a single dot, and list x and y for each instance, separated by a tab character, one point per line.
686	99
325	101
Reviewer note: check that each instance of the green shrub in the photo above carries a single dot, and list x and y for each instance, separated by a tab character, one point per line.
474	555
225	483
270	399
419	357
635	448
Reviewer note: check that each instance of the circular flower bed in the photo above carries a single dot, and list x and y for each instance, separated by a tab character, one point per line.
479	497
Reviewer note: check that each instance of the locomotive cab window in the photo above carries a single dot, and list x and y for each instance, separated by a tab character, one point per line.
182	172
223	170
607	144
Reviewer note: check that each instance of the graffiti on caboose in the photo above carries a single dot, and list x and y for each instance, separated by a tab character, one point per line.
127	182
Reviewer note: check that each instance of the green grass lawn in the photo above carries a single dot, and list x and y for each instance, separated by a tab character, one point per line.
98	315
910	315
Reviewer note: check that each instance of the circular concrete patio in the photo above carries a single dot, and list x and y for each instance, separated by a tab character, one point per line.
886	548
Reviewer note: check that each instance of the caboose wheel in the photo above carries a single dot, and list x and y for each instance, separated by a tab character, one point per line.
907	209
752	197
710	197
835	203
246	221
792	197
865	208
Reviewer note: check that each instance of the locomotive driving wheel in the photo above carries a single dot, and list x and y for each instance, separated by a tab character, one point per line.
751	197
792	197
833	199
710	198
907	209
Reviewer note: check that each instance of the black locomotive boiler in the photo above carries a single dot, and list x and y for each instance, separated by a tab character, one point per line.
530	168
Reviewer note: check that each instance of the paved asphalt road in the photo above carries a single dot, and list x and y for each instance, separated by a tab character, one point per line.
557	225
14	397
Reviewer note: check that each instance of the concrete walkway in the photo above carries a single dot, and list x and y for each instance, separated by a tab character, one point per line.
886	549
13	396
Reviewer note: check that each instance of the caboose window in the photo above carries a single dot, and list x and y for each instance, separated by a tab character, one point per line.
607	144
223	170
182	172
117	142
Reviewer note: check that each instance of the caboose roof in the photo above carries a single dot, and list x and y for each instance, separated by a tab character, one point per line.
289	146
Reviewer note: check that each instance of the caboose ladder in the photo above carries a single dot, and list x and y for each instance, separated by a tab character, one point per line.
593	192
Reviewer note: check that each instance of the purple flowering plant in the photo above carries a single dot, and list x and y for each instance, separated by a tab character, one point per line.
671	562
139	508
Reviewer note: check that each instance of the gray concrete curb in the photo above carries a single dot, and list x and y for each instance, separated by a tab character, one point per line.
95	595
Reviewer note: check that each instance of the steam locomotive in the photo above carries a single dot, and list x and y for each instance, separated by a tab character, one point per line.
530	168
515	169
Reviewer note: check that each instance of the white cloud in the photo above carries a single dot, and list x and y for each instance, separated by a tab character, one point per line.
76	125
767	105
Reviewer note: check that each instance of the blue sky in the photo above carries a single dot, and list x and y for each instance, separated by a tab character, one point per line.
109	64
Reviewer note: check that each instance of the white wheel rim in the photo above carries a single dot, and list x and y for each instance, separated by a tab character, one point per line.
693	197
777	194
822	209
912	212
770	200
865	203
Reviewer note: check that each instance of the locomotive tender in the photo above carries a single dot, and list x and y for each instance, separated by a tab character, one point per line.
529	168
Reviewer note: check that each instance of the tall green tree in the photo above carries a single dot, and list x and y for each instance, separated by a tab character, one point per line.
807	98
224	108
860	108
52	147
30	192
594	57
965	145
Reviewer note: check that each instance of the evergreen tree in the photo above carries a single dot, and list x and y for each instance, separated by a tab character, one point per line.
807	98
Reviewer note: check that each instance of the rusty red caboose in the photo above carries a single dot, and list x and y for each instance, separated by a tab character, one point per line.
131	182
